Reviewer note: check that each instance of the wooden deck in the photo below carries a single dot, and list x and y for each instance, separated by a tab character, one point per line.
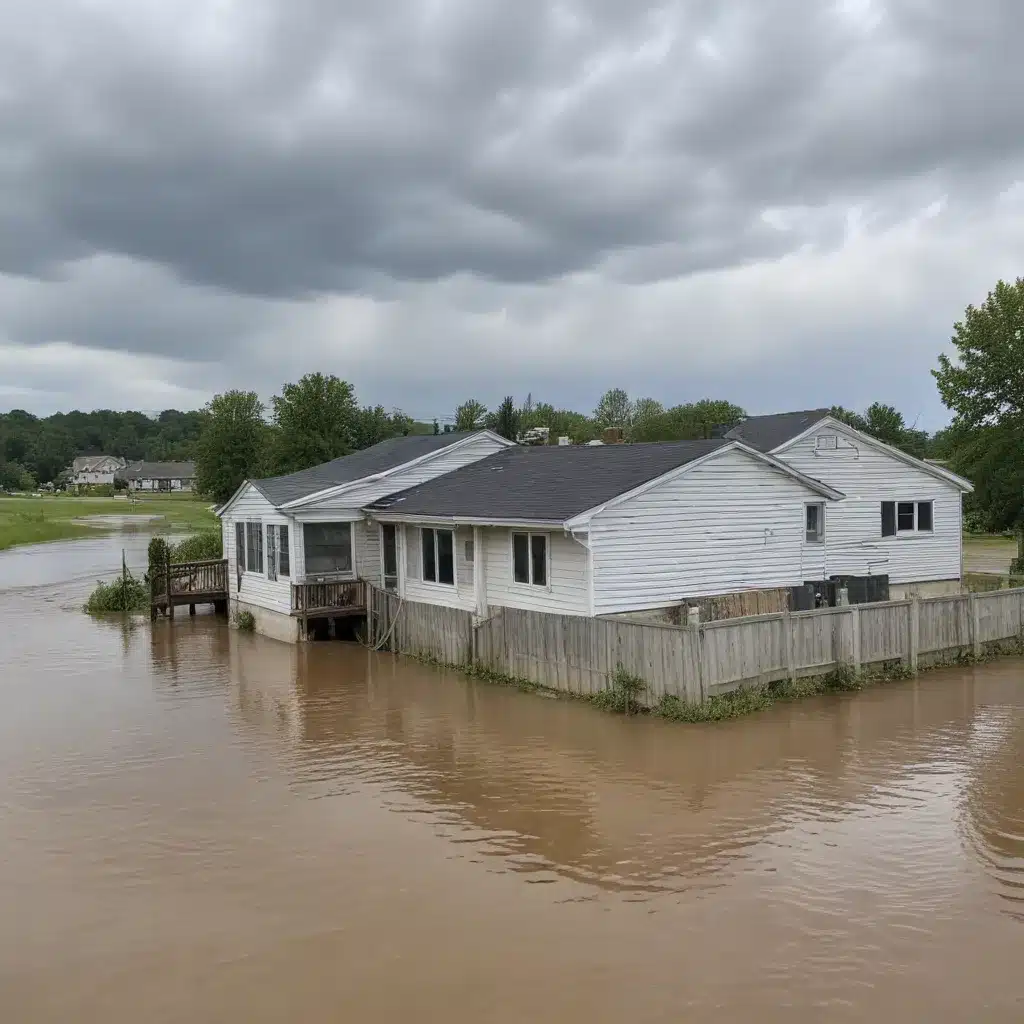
189	583
330	600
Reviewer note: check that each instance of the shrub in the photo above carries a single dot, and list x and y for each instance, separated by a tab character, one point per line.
125	594
200	547
245	622
622	694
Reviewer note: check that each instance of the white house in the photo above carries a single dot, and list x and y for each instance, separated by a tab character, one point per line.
91	470
283	533
159	476
596	530
900	516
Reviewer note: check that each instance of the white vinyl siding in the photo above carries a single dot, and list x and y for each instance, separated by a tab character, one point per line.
730	524
868	477
568	588
276	595
461	595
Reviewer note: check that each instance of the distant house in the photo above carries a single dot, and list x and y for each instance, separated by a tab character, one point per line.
90	470
158	476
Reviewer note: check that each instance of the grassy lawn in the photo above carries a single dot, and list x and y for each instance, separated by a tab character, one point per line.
34	520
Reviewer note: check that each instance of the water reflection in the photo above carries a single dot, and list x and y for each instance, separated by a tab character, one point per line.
204	825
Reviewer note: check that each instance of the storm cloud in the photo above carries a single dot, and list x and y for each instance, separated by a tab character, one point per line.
781	202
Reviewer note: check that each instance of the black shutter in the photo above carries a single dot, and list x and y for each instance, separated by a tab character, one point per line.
888	518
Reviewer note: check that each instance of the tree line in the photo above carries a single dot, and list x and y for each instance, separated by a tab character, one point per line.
318	418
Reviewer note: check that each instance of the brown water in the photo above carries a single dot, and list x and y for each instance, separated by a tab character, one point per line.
197	825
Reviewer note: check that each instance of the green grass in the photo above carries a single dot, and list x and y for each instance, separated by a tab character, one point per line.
25	520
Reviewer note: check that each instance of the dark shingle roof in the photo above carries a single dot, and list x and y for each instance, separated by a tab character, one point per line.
547	482
766	433
396	451
158	471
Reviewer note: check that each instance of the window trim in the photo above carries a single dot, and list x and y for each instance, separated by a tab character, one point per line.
529	534
256	526
437	581
907	533
340	574
285	573
819	538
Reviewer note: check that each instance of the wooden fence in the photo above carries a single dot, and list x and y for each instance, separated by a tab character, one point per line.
580	655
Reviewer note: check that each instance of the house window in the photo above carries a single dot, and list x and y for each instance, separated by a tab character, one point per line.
271	552
254	547
815	522
906	517
240	546
438	555
328	548
826	442
284	558
530	559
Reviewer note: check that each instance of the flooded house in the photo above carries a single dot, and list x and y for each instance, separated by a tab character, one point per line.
474	522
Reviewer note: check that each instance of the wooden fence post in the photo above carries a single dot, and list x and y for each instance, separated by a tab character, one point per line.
167	582
914	638
702	682
787	639
972	607
855	659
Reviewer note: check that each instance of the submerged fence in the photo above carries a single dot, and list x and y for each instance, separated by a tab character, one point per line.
580	655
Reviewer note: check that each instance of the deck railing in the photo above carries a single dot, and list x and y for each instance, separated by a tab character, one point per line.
335	595
207	577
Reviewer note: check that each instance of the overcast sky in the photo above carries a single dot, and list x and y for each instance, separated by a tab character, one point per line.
786	203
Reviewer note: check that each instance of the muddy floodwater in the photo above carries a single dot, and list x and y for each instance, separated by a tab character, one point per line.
198	825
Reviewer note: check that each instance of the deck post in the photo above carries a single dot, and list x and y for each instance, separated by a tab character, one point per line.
855	658
167	582
787	626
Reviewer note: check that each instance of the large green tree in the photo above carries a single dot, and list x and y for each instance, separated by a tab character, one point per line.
232	446
506	420
470	415
614	409
691	422
315	420
983	385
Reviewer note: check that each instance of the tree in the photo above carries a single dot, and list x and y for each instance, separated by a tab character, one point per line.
316	420
646	413
985	385
232	445
887	424
375	424
507	419
690	422
470	415
614	410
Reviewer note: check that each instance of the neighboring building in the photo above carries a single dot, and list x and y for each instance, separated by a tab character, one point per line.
901	517
159	476
309	526
597	530
91	470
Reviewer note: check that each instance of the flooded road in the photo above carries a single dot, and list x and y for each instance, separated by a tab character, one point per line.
205	826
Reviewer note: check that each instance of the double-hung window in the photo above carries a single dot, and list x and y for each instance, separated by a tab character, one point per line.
530	559
254	547
278	561
438	550
904	518
240	546
328	548
814	516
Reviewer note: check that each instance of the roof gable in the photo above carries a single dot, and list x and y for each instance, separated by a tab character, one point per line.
931	468
382	457
766	433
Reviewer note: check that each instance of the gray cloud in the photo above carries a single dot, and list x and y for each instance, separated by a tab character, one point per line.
386	188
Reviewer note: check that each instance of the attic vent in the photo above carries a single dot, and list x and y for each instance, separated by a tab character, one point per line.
826	442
